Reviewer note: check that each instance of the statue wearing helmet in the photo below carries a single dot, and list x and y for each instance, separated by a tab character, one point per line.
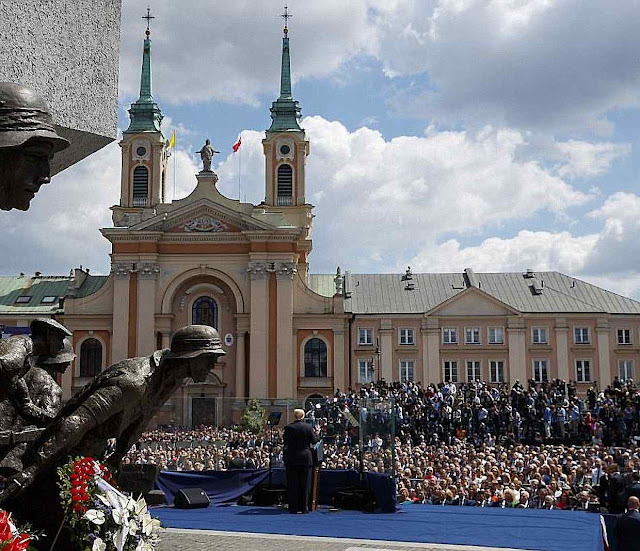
28	141
119	403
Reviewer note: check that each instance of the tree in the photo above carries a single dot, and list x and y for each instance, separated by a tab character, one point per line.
253	416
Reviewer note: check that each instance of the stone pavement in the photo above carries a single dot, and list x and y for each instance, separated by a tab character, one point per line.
212	540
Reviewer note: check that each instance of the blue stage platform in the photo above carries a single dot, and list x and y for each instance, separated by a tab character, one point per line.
511	528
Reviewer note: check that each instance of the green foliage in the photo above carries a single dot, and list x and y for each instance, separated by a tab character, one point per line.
253	417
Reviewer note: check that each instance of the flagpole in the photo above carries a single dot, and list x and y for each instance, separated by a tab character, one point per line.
239	171
175	154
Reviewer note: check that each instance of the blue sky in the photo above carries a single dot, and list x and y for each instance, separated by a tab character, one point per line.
494	134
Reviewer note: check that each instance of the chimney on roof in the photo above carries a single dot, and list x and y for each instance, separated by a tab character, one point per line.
529	274
79	275
470	278
536	286
21	274
38	274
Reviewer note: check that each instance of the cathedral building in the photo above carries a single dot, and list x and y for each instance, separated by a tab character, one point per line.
292	336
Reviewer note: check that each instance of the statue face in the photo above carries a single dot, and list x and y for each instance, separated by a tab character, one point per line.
200	366
23	170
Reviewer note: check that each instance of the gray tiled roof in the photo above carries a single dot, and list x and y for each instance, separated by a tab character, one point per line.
11	287
386	293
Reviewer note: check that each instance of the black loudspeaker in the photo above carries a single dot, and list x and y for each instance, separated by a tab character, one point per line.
191	498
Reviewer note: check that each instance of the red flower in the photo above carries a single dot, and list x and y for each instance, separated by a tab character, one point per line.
21	543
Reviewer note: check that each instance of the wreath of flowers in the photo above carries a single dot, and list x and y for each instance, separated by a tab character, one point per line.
11	538
101	517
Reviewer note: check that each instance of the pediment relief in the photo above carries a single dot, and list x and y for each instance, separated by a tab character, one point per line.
473	303
200	221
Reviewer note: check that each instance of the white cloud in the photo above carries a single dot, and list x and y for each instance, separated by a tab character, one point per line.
587	160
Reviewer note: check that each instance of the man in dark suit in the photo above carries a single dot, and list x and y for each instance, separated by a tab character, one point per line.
298	439
628	526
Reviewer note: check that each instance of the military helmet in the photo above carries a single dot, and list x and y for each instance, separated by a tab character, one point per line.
194	340
38	325
63	356
24	115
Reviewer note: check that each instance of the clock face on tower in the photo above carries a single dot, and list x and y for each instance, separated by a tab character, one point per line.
285	149
141	151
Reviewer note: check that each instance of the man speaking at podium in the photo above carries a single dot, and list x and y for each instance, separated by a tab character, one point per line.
298	439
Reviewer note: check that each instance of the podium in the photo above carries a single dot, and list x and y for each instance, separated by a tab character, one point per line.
318	456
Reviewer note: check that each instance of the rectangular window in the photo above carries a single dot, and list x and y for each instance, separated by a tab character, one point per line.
539	335
624	336
625	369
449	335
497	371
496	335
581	335
365	371
23	299
583	371
48	299
365	336
450	368
540	371
473	370
406	370
406	336
472	335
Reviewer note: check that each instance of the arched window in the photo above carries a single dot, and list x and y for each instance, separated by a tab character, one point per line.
285	185
205	312
90	358
311	401
315	358
140	186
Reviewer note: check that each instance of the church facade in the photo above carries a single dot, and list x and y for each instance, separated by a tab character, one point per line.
291	336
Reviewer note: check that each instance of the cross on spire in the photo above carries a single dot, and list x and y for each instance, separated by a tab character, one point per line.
286	16
148	17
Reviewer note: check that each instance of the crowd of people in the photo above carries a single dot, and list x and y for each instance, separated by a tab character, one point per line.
476	444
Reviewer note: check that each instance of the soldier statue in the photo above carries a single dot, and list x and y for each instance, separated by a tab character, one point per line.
206	154
118	403
28	141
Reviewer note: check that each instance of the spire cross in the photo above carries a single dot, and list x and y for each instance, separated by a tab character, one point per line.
286	16
148	17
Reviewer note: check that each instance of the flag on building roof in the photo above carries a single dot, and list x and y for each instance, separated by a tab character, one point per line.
172	141
237	145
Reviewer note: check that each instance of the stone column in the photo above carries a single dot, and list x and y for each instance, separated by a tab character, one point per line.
146	334
386	350
434	370
517	351
562	349
603	331
120	271
240	391
166	339
339	380
259	329
286	370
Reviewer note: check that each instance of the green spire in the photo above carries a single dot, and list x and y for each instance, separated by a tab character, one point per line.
145	114
285	111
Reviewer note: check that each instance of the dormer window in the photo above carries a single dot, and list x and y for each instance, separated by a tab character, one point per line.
285	185
140	186
49	299
23	299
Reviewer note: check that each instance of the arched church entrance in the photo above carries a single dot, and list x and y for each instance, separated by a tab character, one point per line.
205	299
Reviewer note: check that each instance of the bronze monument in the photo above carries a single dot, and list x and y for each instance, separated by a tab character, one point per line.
118	403
206	154
28	141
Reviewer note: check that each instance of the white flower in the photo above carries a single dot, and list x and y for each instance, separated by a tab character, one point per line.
133	526
141	506
97	517
98	545
120	516
120	538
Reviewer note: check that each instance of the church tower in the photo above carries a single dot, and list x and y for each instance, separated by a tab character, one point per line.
285	145
285	149
144	153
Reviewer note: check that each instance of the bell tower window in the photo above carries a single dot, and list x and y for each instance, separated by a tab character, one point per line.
285	185
205	312
140	186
